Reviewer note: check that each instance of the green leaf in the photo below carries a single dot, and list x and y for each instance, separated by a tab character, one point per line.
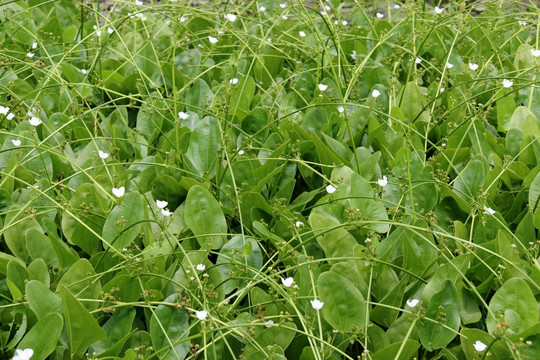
411	101
116	329
82	281
233	255
43	336
515	303
82	328
204	145
444	310
408	350
335	241
169	325
41	300
363	198
281	335
124	222
344	305
204	217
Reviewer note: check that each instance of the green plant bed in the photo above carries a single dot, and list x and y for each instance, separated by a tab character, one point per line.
251	180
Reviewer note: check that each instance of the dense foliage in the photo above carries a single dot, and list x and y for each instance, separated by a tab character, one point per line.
256	180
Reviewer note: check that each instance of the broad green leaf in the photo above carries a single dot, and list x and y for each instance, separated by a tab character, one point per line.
204	217
43	336
363	199
169	325
335	241
406	351
124	222
443	309
514	303
82	328
411	101
16	224
344	305
116	329
82	282
281	335
41	300
204	145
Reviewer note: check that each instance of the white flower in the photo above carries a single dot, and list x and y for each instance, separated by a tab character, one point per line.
233	81
535	52
84	71
383	182
10	116
161	204
473	66
417	60
302	34
282	5
240	152
34	45
479	346
201	315
262	8
268	323
379	15
488	210
322	87
212	39
34	121
94	27
375	93
345	22
507	83
522	23
182	19
201	267
327	7
397	6
438	10
316	304
353	54
528	342
4	110
182	115
449	65
110	30
230	17
103	155
287	282
330	189
299	224
119	192
412	302
442	89
341	109
138	2
16	142
284	17
166	213
25	354
30	54
98	33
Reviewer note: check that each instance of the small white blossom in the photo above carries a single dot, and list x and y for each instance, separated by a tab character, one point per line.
201	267
110	30
417	60
412	302
10	116
161	204
4	110
302	34
522	23
138	2
268	323
262	8
284	17
507	83
488	210
182	19
182	115
299	224
397	6
449	65
84	71
375	93
103	155
383	182
119	192
442	90
473	66
287	282
282	5
166	213
16	142
94	27
341	109
34	45
34	121
230	17
345	23
379	15
330	189
322	87
201	315
98	33
240	152
212	39
30	54
479	346
353	54
316	304
438	10
25	354
535	52
233	81
528	342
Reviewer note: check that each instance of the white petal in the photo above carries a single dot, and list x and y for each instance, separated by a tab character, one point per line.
322	87
166	212
383	182
102	154
161	204
412	302
507	83
302	34
375	93
110	30
438	10
4	110
201	315
230	17
535	52
233	81
201	267
397	6
316	304
299	224
473	66
16	142
418	60
34	121
283	6
379	15
449	65
287	282
212	39
10	116
30	54
182	115
34	45
119	192
268	323
98	33
479	346
262	8
330	189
